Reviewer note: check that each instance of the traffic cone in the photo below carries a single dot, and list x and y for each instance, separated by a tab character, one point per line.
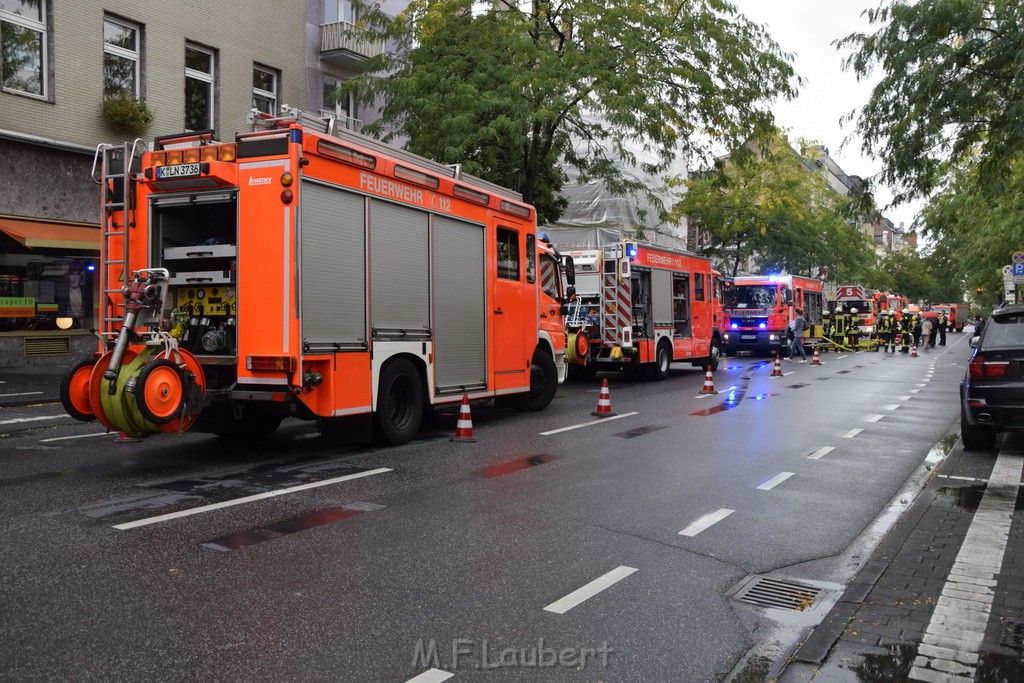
604	401
913	349
815	359
464	427
709	383
777	367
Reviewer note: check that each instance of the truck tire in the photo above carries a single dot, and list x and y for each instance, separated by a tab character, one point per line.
399	403
976	438
714	356
662	361
74	390
543	382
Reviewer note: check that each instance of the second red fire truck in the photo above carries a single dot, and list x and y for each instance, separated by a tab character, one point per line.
760	307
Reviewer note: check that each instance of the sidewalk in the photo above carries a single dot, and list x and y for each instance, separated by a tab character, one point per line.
905	616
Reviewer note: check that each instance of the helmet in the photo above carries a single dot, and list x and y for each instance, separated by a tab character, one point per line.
905	311
853	310
825	313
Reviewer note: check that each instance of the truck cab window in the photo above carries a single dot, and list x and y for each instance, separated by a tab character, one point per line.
550	281
508	254
531	258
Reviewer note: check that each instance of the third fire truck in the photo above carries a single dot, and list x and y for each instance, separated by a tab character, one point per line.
760	308
641	307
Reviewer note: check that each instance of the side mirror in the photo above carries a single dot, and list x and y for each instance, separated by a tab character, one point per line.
975	342
570	271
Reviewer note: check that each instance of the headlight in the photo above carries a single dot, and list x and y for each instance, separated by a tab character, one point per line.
772	337
725	336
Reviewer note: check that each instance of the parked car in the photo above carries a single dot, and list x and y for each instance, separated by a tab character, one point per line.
992	392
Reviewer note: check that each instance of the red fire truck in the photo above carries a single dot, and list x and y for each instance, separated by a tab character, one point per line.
866	303
640	307
760	307
311	272
956	313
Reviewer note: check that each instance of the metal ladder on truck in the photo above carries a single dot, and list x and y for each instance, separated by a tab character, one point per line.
112	168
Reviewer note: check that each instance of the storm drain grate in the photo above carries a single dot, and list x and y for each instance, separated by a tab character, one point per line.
1013	636
766	592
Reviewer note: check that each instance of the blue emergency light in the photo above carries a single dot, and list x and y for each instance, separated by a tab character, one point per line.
631	250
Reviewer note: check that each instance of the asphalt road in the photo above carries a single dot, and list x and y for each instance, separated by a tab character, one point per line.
303	558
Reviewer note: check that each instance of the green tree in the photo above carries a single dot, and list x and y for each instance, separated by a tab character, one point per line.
907	272
766	200
515	92
951	91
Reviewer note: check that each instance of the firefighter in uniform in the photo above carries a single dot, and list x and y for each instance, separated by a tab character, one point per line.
853	325
826	329
887	331
840	327
906	330
943	324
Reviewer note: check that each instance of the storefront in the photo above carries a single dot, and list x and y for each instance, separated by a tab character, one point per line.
48	290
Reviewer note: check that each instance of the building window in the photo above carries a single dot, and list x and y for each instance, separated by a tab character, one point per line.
340	10
23	45
199	88
120	58
342	104
264	90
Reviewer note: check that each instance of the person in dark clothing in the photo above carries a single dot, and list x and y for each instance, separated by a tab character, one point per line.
797	327
943	324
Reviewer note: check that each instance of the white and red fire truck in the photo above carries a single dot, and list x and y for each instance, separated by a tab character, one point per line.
864	300
760	308
639	307
305	271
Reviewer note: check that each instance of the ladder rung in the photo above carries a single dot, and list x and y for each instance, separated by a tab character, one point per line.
114	233
114	263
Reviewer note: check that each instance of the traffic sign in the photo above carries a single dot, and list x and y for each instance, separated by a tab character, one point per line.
1018	269
1018	257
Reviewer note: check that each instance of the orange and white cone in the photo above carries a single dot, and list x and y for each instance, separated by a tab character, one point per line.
815	359
913	349
604	401
709	383
777	367
464	427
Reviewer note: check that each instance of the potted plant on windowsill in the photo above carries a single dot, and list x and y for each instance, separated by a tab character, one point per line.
127	115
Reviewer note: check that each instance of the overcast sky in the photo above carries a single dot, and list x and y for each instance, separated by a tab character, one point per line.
807	28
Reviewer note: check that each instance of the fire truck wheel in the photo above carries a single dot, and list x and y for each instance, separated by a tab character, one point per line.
543	382
662	361
74	390
160	391
399	403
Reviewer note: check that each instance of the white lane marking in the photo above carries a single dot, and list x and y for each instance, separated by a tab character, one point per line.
579	595
953	476
922	386
875	418
915	391
841	357
588	424
23	393
247	499
19	420
775	481
706	521
903	398
962	612
817	455
431	676
79	436
852	433
891	406
705	395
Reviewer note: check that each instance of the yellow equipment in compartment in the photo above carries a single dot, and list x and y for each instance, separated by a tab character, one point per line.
207	301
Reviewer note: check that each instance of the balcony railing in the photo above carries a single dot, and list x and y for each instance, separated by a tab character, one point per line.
346	122
344	42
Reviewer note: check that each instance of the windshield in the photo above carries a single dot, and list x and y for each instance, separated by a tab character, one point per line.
1005	330
752	296
550	280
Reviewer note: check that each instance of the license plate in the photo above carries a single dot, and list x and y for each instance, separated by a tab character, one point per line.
748	337
177	171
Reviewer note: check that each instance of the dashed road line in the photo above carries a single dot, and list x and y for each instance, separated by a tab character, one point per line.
903	398
19	420
23	393
705	522
247	499
891	406
915	391
580	595
852	433
78	436
587	424
431	676
775	481
823	451
875	418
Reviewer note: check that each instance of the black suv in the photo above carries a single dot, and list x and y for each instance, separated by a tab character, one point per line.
992	392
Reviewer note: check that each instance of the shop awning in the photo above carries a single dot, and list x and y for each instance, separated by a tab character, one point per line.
42	235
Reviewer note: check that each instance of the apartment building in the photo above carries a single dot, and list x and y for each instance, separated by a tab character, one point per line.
196	63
